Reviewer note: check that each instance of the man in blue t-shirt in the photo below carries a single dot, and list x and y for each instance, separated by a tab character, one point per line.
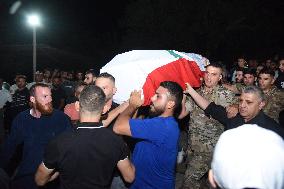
155	154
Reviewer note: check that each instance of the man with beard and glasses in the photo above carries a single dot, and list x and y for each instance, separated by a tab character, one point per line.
33	128
154	156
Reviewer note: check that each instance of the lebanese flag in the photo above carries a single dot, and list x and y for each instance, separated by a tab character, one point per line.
146	69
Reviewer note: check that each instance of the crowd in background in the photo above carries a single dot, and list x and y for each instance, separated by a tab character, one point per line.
66	87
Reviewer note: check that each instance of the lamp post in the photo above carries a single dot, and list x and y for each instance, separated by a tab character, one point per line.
34	21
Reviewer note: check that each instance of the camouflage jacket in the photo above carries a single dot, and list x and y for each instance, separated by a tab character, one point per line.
239	87
203	130
274	103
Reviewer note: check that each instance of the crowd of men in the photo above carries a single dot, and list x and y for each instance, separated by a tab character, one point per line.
64	130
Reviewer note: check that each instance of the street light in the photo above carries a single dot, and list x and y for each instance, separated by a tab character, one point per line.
34	21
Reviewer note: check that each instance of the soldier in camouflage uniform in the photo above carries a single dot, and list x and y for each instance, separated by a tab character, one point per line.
238	85
274	96
203	130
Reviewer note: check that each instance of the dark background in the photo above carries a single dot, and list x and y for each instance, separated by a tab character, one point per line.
81	34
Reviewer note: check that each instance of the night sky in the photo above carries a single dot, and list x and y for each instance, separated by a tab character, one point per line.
219	29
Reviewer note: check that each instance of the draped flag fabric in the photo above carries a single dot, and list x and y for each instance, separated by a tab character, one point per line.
146	69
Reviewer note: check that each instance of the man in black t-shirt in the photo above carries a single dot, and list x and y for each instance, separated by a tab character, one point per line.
107	83
20	100
58	94
86	157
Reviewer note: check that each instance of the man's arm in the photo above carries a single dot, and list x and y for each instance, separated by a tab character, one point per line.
199	100
232	88
114	113
127	170
14	139
184	112
216	111
46	170
44	175
121	125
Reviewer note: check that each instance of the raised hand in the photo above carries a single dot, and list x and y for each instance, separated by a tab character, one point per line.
188	88
136	99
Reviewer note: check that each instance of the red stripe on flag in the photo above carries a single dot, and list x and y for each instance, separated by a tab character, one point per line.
181	71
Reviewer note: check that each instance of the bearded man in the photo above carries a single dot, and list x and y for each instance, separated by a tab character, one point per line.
107	83
33	128
154	156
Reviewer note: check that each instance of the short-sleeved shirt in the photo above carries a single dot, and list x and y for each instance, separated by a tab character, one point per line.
85	157
155	154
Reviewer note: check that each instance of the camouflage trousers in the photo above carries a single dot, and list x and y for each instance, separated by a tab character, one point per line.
196	174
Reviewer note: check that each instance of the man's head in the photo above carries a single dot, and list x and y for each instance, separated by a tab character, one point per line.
107	83
40	96
56	81
239	75
281	65
248	156
47	74
252	63
266	79
213	75
258	69
268	63
38	76
79	76
252	100
63	75
273	66
249	76
167	99
90	77
21	81
241	62
70	76
79	88
91	101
